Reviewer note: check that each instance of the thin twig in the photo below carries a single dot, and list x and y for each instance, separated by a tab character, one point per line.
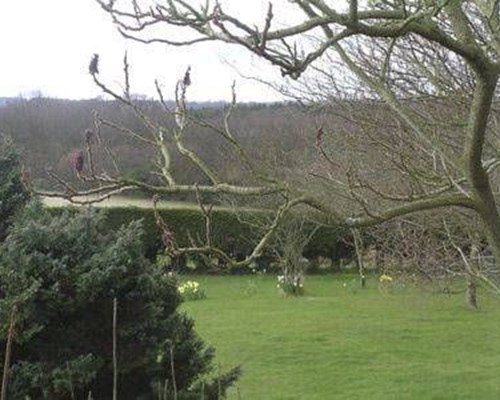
8	353
172	370
71	387
115	359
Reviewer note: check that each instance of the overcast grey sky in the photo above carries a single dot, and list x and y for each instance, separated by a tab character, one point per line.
46	46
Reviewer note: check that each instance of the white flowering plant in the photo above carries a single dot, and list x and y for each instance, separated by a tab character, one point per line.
291	284
191	290
385	283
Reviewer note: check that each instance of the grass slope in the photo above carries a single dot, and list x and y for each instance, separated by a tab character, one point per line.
339	342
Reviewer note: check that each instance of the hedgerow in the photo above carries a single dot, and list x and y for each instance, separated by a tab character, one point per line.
231	232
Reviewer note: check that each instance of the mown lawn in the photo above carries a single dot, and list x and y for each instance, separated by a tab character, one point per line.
340	342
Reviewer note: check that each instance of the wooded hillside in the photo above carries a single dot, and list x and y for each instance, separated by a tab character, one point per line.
48	131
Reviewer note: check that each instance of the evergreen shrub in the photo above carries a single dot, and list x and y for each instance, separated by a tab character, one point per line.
62	274
13	194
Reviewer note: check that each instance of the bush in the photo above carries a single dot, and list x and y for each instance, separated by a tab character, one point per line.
62	273
13	194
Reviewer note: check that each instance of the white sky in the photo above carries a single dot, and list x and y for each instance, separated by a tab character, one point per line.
46	46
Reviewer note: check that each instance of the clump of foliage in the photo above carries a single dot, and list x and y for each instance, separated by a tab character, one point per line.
62	275
291	284
13	194
191	290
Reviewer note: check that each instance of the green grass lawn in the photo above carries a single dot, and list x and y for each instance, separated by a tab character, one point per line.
340	342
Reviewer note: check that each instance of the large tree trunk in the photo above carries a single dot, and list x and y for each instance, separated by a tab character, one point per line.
482	193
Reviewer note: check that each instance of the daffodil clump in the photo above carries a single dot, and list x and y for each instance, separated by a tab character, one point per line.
385	283
291	285
191	290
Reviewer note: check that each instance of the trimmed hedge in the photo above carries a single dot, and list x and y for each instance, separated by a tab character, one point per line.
228	232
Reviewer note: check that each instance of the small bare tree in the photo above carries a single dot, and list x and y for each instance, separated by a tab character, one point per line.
291	240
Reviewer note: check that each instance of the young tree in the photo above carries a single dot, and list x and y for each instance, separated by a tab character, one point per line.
429	68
